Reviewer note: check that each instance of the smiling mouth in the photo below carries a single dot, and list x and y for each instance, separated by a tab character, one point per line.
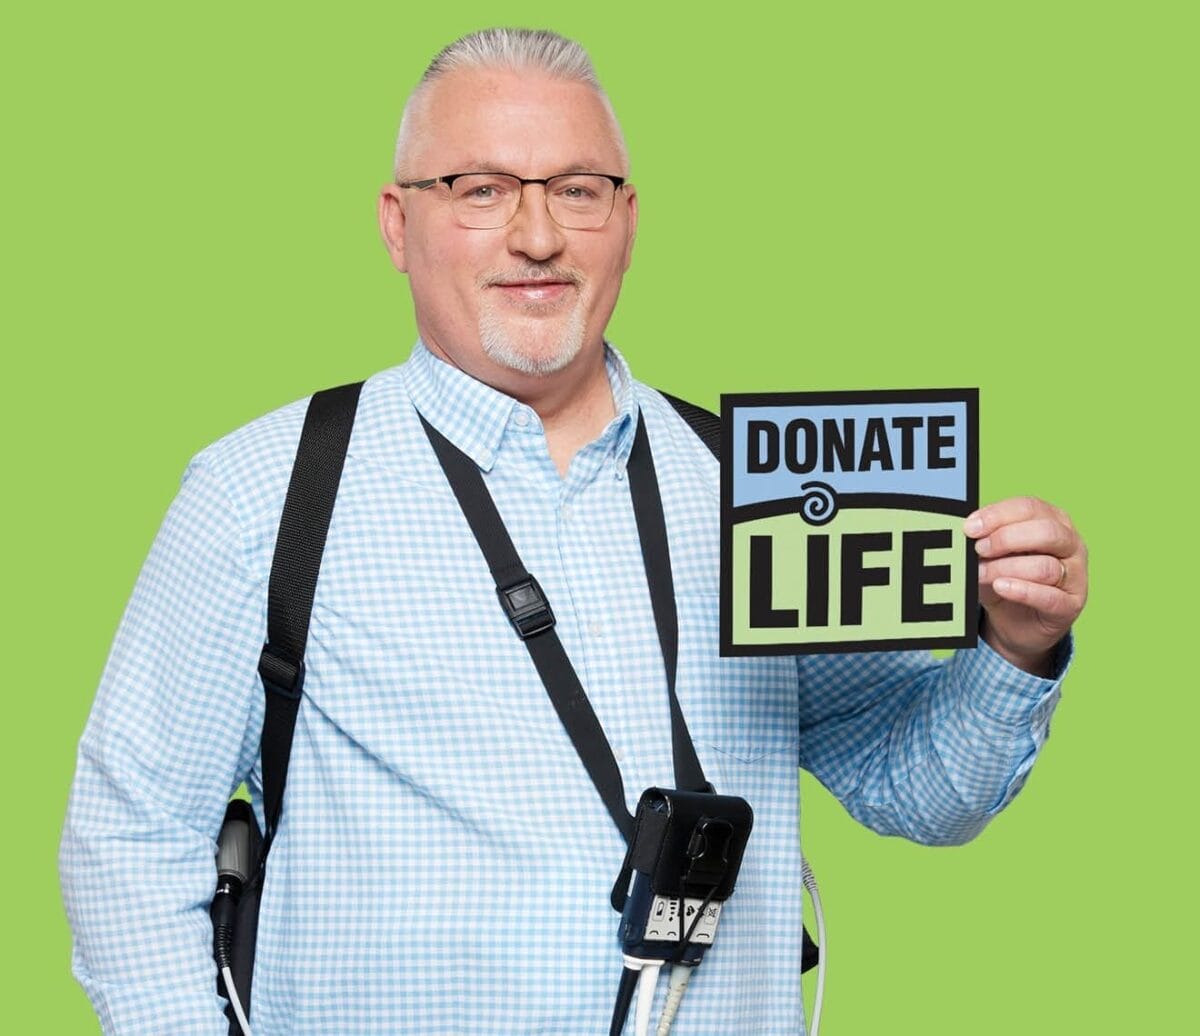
538	290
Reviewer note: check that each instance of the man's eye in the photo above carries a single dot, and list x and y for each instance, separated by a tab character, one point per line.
576	192
481	192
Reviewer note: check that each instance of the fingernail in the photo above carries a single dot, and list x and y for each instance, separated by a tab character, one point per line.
1002	585
983	546
973	526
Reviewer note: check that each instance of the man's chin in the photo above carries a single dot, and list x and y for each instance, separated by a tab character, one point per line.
533	362
532	354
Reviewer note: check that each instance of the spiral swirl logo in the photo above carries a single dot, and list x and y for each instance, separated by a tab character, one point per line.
818	503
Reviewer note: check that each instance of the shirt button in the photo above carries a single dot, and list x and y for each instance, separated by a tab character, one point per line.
566	512
595	629
484	458
618	473
618	755
521	418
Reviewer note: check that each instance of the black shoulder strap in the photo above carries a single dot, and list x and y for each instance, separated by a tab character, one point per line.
527	607
704	423
303	527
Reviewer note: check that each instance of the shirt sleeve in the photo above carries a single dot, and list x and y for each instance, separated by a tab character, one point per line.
927	750
173	730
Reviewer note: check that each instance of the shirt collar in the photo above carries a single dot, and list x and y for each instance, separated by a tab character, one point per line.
478	418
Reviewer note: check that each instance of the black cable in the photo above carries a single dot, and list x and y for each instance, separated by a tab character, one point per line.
629	980
696	920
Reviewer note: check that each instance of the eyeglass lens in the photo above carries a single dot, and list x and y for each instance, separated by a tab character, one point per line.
578	201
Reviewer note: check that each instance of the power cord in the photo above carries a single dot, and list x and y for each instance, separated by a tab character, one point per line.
225	908
810	884
236	1002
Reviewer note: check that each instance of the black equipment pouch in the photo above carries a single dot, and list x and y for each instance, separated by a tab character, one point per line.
687	843
684	860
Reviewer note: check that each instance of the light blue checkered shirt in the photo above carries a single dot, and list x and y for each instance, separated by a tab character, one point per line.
444	863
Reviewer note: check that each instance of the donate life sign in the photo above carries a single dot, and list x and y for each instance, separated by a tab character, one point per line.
841	521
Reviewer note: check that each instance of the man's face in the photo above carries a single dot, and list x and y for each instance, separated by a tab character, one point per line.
530	296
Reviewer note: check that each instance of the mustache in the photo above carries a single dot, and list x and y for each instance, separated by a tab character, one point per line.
533	272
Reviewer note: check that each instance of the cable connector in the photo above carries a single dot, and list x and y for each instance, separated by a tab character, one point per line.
233	870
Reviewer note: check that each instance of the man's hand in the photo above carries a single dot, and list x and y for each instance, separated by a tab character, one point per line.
1033	577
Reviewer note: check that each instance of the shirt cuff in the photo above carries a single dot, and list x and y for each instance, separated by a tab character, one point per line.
1017	702
1002	691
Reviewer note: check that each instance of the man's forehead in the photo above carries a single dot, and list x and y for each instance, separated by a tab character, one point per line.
509	86
503	120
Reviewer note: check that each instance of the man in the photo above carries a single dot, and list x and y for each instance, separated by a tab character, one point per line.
444	862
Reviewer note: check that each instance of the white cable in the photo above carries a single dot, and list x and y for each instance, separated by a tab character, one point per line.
810	883
681	974
647	979
235	1001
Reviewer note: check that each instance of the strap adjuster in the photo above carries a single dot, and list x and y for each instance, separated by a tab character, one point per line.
279	675
526	607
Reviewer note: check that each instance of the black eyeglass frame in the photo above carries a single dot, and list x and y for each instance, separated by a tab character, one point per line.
423	185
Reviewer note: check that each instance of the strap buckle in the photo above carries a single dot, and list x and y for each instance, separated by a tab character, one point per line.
279	675
526	607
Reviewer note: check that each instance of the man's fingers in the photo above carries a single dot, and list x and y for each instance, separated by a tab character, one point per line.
1048	601
1033	568
1063	517
1036	536
1004	512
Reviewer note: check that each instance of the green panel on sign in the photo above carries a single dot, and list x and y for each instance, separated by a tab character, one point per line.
881	604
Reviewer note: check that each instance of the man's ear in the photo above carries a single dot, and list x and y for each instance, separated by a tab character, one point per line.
631	201
391	224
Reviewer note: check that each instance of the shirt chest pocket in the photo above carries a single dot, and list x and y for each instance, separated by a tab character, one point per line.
747	707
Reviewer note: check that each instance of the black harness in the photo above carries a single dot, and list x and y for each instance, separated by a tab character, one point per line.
303	527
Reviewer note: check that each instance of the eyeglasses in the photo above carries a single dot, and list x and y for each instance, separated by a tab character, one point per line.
488	201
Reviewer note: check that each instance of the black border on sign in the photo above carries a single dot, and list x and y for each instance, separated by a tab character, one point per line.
730	400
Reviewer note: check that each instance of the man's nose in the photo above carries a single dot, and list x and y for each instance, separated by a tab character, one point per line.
532	232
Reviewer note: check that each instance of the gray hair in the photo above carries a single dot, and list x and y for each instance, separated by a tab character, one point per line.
511	49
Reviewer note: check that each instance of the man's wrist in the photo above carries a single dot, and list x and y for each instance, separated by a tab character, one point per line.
1039	663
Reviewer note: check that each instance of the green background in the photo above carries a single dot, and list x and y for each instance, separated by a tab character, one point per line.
842	196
